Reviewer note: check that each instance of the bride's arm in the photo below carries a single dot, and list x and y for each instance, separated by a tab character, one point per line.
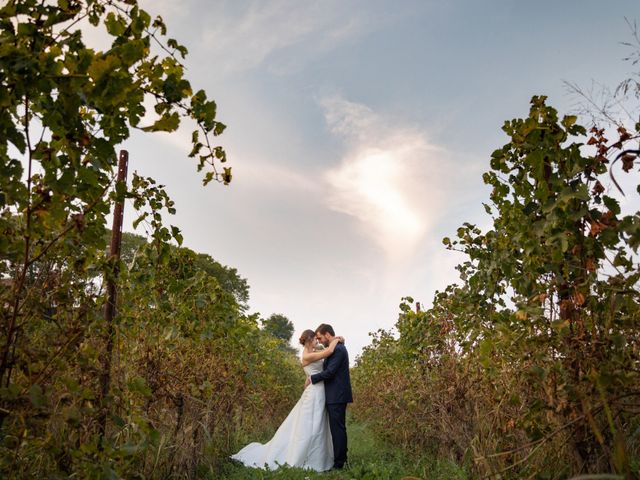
307	358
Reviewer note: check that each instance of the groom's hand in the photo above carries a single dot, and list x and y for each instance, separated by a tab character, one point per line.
307	382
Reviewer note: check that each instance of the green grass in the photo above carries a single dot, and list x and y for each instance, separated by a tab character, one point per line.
369	459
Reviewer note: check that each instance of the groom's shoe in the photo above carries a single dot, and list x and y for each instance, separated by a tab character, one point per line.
344	466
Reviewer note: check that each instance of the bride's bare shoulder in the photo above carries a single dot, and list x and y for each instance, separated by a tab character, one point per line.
304	361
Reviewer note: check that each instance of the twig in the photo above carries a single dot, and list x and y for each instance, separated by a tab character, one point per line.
622	153
537	443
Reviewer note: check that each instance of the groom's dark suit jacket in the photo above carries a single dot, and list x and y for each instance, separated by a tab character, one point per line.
335	374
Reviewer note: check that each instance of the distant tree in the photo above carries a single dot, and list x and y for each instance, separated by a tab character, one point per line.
130	246
279	326
228	278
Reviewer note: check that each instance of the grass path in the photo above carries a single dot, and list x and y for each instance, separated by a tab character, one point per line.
369	459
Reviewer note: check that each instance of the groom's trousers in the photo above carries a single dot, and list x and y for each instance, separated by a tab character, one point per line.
338	426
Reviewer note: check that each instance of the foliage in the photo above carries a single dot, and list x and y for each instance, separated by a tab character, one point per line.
227	277
211	373
279	326
187	370
530	365
191	374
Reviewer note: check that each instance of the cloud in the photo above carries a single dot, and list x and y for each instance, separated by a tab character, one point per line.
391	178
245	39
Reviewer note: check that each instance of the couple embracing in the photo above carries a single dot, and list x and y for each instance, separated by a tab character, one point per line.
314	434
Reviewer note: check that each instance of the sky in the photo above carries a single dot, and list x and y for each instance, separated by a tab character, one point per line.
358	132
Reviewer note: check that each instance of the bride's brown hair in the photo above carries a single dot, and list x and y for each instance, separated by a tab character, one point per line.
306	336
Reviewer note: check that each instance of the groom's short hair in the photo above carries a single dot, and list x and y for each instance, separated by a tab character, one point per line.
325	328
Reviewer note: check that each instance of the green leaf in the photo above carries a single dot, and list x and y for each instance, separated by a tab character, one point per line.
103	66
115	24
175	233
612	204
138	385
14	136
226	175
118	421
569	120
168	123
37	397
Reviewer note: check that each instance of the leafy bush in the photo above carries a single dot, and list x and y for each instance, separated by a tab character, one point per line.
529	367
165	388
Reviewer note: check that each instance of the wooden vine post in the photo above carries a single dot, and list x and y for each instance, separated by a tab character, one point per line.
110	306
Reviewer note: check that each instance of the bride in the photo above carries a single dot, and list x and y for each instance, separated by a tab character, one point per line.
303	439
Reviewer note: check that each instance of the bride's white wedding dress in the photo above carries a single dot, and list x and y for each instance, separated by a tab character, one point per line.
302	440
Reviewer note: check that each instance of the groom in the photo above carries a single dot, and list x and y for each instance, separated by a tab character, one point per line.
337	388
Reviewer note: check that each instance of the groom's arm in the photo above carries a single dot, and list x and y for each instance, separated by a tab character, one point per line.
333	364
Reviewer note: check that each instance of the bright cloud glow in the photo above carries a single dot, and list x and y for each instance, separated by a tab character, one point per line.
369	187
388	179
